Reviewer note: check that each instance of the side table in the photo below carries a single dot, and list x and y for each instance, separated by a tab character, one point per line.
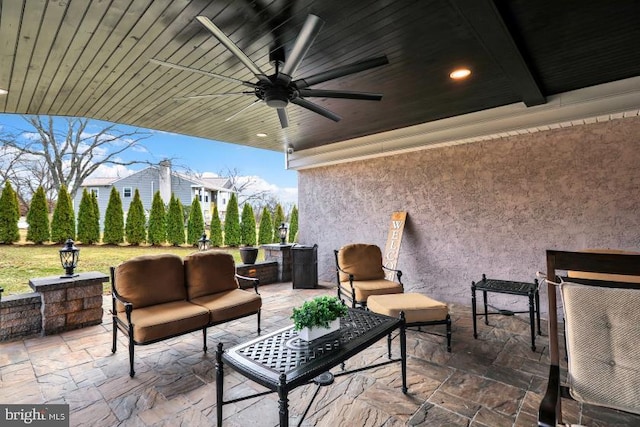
529	290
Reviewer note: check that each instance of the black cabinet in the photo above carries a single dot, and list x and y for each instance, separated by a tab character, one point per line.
304	260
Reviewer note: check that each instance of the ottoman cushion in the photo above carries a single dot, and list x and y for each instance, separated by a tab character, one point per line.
417	307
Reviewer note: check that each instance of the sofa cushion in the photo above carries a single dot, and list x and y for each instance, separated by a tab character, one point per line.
164	320
209	272
150	279
229	304
362	260
364	289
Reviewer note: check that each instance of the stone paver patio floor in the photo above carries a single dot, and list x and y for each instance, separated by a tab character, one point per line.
493	381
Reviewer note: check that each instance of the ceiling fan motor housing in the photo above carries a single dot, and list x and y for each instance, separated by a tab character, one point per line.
275	96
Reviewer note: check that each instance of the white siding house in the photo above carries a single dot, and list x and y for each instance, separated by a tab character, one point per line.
210	191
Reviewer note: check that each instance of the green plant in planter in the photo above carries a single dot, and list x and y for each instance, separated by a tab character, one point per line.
318	312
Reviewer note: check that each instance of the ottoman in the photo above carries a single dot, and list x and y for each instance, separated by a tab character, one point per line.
419	310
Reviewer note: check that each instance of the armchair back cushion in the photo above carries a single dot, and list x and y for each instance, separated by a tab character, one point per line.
602	337
362	260
150	280
209	272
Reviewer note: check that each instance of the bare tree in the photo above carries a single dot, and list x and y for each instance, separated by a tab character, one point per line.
49	156
243	185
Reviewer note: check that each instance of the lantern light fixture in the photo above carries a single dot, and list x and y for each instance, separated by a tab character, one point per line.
203	242
69	256
283	233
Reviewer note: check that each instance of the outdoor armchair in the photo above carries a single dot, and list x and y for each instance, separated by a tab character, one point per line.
601	319
360	273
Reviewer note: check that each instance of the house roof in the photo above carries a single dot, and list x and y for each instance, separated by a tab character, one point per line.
217	183
92	59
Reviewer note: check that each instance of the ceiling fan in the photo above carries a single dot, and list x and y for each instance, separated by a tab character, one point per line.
279	89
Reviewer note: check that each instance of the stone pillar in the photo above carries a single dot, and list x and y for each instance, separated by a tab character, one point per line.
70	303
281	254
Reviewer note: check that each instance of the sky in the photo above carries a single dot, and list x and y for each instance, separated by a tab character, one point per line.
265	168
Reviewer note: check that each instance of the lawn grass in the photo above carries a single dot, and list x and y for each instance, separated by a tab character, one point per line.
21	262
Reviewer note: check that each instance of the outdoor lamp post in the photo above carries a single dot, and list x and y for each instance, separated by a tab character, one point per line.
69	255
203	242
283	233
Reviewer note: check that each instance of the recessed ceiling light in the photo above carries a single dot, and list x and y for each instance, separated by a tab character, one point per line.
3	91
261	135
460	73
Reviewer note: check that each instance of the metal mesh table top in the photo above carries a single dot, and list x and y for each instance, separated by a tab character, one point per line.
506	286
284	353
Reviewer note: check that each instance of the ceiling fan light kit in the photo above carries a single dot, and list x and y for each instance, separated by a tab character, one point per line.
279	90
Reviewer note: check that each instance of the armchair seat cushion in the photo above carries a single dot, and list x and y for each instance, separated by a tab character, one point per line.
417	308
365	288
160	321
229	305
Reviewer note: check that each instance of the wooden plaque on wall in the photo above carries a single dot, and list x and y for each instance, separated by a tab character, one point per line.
392	249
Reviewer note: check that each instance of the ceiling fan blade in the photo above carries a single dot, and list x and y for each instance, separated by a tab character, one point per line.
316	109
226	41
215	95
206	73
284	120
345	94
242	110
342	71
307	35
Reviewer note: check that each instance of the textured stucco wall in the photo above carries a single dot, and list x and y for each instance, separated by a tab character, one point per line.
492	207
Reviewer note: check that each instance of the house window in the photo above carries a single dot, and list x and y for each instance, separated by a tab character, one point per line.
126	192
206	198
94	192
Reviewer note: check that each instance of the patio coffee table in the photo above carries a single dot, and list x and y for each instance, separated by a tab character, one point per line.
281	361
529	290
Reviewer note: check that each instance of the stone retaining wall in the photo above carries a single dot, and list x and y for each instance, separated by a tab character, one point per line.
265	271
20	316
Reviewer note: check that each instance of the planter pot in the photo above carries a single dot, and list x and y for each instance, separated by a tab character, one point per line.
314	333
249	255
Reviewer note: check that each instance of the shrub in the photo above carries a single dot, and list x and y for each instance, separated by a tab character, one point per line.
134	228
278	219
9	215
94	225
195	226
63	224
114	220
157	232
265	232
293	225
86	217
215	229
232	223
248	226
38	218
175	222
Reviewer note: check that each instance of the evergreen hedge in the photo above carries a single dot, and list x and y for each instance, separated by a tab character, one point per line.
232	223
265	232
135	226
38	218
63	224
157	232
293	225
86	217
9	215
215	229
175	222
94	225
248	226
195	225
113	220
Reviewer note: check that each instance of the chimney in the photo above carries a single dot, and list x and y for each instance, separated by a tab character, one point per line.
164	179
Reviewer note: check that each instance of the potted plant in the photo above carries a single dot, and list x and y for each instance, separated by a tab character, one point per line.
318	316
248	254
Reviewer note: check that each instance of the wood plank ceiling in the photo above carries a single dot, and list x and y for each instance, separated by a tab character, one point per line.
91	59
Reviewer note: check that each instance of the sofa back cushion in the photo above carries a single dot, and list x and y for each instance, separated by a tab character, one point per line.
362	260
209	272
150	280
